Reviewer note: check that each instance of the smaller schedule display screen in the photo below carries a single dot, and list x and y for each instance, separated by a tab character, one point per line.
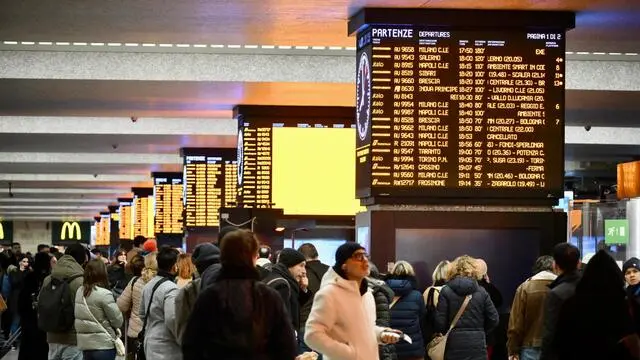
460	113
103	230
210	183
168	193
125	222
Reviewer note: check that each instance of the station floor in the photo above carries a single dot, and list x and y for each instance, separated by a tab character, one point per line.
11	355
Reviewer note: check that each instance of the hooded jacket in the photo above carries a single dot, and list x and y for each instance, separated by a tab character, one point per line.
289	291
406	315
91	334
239	317
342	323
527	313
467	339
66	267
383	296
315	272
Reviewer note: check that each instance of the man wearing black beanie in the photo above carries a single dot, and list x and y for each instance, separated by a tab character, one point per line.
342	323
631	271
289	278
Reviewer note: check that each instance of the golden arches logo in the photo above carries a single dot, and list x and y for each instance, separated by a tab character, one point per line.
68	229
1	231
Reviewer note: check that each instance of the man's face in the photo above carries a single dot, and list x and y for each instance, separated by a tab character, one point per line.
45	250
16	249
357	266
298	270
632	276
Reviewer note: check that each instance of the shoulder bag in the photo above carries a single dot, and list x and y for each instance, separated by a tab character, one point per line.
438	345
117	342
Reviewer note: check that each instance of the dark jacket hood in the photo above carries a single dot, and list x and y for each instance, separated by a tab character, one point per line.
379	285
66	267
463	285
572	277
283	271
401	287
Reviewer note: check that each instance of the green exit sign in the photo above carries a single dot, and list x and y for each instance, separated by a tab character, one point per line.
616	231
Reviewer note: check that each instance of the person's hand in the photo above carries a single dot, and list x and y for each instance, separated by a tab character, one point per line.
303	281
486	278
390	336
514	357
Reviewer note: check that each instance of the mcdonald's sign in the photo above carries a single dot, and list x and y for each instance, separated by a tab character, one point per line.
6	232
66	232
68	229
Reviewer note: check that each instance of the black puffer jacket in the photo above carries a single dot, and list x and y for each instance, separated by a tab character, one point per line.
383	295
290	292
238	317
467	340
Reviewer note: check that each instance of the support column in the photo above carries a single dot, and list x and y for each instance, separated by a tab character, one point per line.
633	216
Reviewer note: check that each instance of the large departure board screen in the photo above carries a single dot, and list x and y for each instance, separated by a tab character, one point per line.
168	193
279	155
125	219
207	173
143	212
446	113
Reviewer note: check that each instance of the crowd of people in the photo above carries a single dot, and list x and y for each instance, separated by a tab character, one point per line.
236	299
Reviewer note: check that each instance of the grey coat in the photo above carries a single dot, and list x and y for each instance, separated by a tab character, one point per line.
161	336
90	334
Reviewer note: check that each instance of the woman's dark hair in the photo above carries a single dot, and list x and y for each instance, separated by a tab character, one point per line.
239	248
601	277
167	258
42	263
95	274
136	265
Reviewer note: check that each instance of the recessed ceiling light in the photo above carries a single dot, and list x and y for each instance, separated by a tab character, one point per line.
268	46
114	44
183	45
97	44
131	44
284	47
251	46
199	45
45	43
166	45
148	45
80	43
11	43
217	46
62	43
233	46
28	43
319	47
302	47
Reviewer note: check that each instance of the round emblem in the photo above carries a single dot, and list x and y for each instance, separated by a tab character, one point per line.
363	97
240	157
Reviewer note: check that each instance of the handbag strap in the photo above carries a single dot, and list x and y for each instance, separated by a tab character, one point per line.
84	300
394	302
146	314
466	301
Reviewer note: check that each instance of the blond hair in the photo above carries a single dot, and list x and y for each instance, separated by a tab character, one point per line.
150	266
186	269
403	268
441	273
463	266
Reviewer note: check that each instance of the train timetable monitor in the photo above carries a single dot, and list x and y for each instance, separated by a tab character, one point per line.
142	212
168	193
444	112
125	221
298	159
210	183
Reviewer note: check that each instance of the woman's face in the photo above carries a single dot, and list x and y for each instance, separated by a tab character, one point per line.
122	257
24	264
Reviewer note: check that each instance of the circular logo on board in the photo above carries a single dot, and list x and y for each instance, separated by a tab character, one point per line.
240	156
363	97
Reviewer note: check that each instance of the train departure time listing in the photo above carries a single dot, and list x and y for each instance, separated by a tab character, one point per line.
475	110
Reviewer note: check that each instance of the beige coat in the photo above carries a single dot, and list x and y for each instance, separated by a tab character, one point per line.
129	303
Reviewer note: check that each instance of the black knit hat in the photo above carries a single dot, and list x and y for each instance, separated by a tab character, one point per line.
631	263
344	253
290	257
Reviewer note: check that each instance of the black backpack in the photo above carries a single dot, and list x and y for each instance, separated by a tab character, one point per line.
56	305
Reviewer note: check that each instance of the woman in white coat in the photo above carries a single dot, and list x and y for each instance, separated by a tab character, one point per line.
342	323
96	314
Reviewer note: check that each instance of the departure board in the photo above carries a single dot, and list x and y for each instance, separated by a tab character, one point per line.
125	222
168	192
103	230
254	165
447	113
282	148
141	211
206	173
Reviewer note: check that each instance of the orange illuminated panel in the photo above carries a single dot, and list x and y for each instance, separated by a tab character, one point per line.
207	186
628	180
230	183
125	222
141	216
104	230
168	190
